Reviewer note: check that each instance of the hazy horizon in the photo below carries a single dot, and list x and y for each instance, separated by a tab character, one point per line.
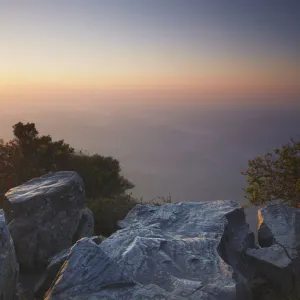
191	152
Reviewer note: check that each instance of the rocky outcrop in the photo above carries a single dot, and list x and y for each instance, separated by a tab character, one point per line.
9	268
277	262
202	251
174	251
45	216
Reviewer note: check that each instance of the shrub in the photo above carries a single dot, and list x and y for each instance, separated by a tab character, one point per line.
275	176
31	155
108	211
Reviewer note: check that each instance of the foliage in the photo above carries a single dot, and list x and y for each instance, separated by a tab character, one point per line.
158	200
108	211
101	175
31	155
275	176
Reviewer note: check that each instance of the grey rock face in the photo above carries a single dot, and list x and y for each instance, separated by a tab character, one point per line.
278	260
43	215
174	251
86	225
9	268
91	274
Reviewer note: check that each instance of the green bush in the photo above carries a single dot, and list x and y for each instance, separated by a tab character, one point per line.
31	155
275	176
108	211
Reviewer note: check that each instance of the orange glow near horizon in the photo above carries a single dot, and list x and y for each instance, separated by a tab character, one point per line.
212	84
214	77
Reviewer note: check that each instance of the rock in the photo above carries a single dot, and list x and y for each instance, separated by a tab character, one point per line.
174	251
86	225
44	214
98	239
9	268
45	281
236	240
85	229
91	274
278	262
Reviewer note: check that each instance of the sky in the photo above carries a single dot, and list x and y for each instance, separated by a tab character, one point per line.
156	48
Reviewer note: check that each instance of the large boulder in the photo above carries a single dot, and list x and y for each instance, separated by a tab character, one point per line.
9	268
174	251
44	215
277	262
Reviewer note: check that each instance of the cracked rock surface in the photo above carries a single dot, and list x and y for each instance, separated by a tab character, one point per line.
43	216
175	251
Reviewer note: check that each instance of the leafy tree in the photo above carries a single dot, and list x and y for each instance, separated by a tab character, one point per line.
31	155
10	162
101	175
275	176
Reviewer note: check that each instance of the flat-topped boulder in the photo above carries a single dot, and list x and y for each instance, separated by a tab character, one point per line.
9	268
173	251
44	216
